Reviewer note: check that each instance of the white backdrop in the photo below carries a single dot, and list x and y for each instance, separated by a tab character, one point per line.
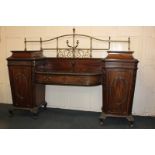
86	98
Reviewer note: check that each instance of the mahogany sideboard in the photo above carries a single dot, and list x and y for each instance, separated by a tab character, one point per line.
30	71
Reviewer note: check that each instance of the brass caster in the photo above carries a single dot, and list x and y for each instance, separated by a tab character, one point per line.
101	122
131	124
102	118
35	116
35	113
131	121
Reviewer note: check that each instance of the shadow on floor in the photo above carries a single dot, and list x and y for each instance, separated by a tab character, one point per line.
67	119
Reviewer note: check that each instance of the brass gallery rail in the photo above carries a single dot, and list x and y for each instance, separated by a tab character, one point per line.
72	50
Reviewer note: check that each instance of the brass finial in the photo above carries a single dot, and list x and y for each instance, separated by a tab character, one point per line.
40	43
128	43
73	30
25	43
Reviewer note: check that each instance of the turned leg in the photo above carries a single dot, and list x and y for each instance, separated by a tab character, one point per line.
131	120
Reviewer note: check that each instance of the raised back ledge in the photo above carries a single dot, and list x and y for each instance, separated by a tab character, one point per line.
26	54
120	55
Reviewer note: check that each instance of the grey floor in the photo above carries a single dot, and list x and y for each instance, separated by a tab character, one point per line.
67	119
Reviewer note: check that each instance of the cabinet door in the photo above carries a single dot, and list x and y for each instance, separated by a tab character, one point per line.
21	85
118	91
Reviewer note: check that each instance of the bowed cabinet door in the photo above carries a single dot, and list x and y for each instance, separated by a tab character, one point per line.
118	91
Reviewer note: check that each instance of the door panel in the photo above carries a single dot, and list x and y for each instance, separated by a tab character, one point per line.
21	85
119	82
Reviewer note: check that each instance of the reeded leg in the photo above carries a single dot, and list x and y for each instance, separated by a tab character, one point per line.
131	120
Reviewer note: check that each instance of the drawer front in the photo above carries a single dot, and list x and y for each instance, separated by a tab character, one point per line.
125	65
57	65
88	66
20	63
72	65
62	79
